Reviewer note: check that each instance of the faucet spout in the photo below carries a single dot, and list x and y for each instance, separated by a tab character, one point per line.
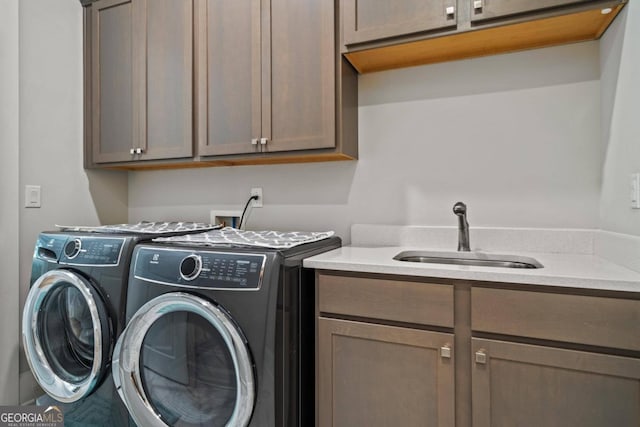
460	209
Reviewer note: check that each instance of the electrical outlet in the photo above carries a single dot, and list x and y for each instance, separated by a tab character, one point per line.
257	191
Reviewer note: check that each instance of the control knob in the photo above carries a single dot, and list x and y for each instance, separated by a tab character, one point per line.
72	248
190	267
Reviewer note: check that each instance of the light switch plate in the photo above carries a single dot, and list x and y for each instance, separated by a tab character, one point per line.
32	196
635	190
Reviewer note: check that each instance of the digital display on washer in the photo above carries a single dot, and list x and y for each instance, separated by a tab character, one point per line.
200	269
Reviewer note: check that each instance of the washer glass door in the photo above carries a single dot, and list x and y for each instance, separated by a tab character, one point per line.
66	334
192	361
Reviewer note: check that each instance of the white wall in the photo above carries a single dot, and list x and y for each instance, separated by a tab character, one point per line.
620	64
51	134
9	211
517	137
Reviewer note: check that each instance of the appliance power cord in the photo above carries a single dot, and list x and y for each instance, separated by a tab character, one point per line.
254	197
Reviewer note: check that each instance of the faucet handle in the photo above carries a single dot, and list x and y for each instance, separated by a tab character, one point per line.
460	208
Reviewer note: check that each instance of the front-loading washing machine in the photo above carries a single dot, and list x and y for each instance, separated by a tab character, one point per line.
220	333
75	311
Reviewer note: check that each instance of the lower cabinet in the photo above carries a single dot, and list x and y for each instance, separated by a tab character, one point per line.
378	375
525	356
531	386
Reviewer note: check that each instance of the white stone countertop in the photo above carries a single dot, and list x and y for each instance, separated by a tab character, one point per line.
578	268
584	271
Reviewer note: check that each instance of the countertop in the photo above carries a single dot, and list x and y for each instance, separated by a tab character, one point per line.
584	271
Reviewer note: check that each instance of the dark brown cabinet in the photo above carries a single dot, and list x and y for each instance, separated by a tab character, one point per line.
384	369
229	78
301	100
555	359
379	35
371	20
408	351
527	385
491	9
379	375
194	83
266	76
141	93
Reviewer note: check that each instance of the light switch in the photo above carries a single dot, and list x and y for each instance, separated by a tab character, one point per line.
635	190
32	196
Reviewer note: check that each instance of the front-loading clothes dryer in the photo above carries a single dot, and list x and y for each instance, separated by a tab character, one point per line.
74	313
219	334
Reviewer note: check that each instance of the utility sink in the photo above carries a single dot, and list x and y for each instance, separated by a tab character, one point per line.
468	258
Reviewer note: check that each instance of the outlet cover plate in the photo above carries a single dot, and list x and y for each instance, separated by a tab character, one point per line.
257	191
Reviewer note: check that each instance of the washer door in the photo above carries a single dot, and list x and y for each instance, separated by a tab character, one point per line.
66	334
182	360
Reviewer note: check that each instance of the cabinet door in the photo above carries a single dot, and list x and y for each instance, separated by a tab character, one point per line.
489	9
300	62
370	20
142	89
228	76
527	385
112	80
374	375
164	83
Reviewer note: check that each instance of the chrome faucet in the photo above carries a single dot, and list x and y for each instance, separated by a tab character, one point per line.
460	209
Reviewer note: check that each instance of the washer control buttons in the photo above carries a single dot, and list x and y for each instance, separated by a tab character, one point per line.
190	267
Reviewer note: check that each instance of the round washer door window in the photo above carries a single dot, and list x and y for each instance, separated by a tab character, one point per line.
192	361
66	334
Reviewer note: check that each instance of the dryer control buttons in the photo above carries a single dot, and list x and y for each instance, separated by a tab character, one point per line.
190	267
72	248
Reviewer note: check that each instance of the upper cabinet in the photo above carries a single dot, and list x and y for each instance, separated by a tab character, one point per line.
300	103
490	9
266	76
370	20
141	85
203	83
229	78
380	35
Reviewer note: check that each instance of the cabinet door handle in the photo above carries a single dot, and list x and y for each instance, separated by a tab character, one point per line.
477	6
445	351
263	141
254	141
481	357
132	151
139	150
450	11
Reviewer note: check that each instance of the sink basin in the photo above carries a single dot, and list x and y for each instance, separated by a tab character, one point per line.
468	258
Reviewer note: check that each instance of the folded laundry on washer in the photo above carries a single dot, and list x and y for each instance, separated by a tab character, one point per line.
168	227
234	237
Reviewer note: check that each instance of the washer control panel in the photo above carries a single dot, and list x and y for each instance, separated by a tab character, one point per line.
93	251
199	269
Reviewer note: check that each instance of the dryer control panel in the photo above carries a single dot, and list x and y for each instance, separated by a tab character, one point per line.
93	251
199	269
